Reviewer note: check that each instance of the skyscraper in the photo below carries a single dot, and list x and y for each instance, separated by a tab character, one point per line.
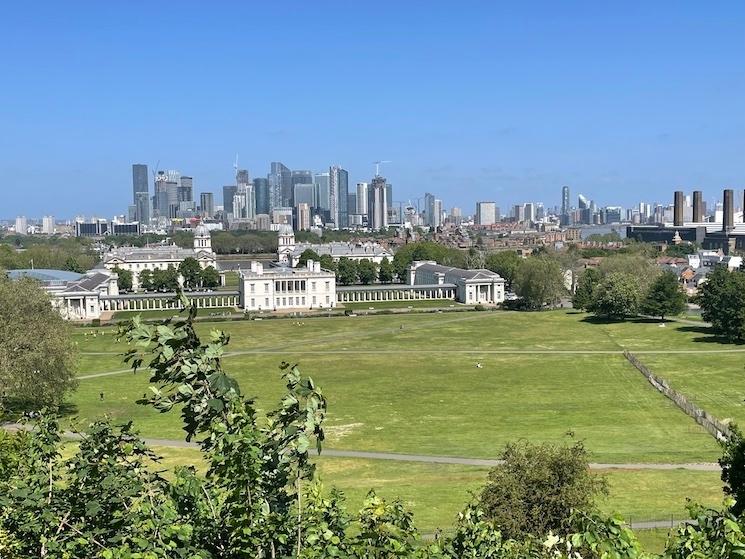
429	209
486	213
47	225
362	198
263	196
21	225
323	194
142	207
207	204
565	206
377	204
185	192
280	185
304	194
227	198
139	185
302	212
338	190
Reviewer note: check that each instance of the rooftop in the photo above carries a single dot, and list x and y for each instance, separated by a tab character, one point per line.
479	273
45	275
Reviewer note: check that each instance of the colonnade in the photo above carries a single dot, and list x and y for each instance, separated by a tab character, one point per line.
351	295
155	302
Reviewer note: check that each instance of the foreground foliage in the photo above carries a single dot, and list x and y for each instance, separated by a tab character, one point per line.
259	496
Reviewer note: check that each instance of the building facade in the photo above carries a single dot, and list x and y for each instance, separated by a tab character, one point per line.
472	287
283	288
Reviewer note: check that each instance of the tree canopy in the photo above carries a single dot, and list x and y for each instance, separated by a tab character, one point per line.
722	301
366	271
191	272
124	279
37	355
665	297
540	282
618	295
504	263
346	271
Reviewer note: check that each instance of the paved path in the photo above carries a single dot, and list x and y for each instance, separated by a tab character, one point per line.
424	458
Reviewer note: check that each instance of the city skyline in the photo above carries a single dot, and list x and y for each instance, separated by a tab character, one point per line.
508	106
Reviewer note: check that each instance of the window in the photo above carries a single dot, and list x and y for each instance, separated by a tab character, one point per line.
303	299
327	299
253	303
284	301
277	302
253	288
266	302
313	285
266	287
314	299
328	284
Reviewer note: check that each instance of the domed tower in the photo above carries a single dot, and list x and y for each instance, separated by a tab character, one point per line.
285	243
202	239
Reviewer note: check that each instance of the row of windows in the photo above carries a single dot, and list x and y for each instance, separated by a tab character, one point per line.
284	286
289	301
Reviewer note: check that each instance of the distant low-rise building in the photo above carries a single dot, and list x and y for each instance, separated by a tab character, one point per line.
137	259
479	286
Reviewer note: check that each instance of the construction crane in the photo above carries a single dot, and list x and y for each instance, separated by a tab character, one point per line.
155	170
377	166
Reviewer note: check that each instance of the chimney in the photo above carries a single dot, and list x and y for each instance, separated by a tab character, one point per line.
728	217
697	206
259	268
678	209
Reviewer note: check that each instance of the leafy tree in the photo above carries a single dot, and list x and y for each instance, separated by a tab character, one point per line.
366	271
586	285
191	272
385	272
170	278
210	277
722	301
538	487
308	254
504	263
70	265
145	280
732	463
327	263
124	280
637	266
425	250
346	271
37	355
540	282
682	250
665	297
616	297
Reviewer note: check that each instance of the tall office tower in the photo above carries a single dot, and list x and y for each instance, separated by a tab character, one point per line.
429	209
304	194
351	205
302	211
437	215
139	184
698	215
323	194
207	205
228	192
565	207
244	202
142	207
456	216
540	212
280	184
377	204
298	177
582	202
678	208
21	225
728	215
263	198
338	190
47	225
486	213
530	212
241	177
389	196
518	212
186	190
361	198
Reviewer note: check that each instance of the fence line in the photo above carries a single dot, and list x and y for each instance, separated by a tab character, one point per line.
713	425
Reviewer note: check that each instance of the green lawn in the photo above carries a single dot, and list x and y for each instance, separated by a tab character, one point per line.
409	383
425	304
167	313
437	492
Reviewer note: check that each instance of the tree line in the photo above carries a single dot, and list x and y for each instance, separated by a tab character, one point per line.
189	270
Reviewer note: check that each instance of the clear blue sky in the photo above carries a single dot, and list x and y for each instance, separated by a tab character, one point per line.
470	100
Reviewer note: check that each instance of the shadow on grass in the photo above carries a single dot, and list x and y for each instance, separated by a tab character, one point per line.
710	337
16	410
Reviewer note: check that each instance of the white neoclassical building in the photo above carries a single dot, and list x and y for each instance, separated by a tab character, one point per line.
472	287
280	287
136	259
289	252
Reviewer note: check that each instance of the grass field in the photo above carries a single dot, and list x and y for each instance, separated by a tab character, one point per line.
409	384
167	313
